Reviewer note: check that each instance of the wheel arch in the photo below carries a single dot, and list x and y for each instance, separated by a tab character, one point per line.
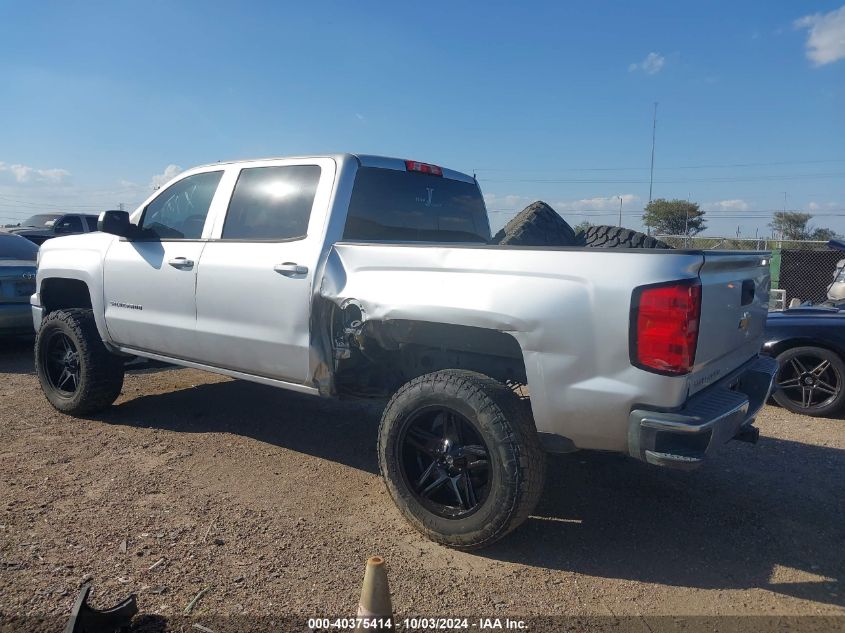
779	347
410	348
58	292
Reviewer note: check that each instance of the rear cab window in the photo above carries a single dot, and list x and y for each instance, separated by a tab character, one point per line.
272	203
403	206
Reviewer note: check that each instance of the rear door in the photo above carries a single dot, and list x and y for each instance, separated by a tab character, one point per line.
734	308
255	278
150	281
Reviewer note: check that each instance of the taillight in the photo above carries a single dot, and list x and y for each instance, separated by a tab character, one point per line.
664	326
423	168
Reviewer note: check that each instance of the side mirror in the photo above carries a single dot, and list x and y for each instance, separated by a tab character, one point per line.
116	223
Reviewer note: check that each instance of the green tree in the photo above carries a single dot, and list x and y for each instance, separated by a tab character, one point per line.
674	217
795	225
791	225
823	234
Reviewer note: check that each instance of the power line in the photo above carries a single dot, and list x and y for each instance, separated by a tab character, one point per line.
676	167
605	181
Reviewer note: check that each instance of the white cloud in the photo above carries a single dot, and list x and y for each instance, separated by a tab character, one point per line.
826	39
651	65
171	171
599	203
495	201
734	204
24	174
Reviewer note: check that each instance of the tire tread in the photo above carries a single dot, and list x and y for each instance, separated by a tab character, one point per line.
515	427
102	372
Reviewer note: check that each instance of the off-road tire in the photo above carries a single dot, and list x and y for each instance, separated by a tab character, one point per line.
536	225
617	237
504	422
100	371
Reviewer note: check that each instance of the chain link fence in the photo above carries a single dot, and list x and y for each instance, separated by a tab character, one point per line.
800	269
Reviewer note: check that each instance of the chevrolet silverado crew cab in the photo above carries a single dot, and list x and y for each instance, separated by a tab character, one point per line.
363	276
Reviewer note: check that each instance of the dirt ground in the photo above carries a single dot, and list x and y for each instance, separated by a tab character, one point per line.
271	500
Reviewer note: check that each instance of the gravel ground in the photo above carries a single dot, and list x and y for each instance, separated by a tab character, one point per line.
272	501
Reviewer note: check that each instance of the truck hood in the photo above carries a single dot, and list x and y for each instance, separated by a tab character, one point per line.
80	241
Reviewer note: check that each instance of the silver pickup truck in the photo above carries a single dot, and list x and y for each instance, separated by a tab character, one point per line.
352	275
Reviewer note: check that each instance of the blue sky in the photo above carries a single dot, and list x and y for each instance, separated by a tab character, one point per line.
552	101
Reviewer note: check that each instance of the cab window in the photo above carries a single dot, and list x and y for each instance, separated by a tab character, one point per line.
272	203
68	224
179	212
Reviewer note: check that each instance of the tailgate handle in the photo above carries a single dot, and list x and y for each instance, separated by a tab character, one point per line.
747	292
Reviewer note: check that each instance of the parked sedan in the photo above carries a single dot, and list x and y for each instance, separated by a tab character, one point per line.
809	344
17	283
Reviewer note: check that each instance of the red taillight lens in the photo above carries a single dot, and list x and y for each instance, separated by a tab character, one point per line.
423	168
664	325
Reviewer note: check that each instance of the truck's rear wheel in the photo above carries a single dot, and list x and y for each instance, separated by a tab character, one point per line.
77	373
461	458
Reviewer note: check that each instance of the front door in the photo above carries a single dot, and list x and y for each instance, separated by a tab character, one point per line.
150	280
254	285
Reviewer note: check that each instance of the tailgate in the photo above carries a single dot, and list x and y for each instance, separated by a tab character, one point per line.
734	306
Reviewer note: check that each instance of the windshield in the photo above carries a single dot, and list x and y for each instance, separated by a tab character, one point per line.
42	220
16	247
388	204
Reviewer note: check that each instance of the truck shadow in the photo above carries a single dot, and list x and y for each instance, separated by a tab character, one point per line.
768	517
340	431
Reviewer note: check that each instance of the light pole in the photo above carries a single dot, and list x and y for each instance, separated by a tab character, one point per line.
620	211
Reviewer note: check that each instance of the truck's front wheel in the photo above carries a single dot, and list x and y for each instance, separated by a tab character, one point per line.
77	373
461	458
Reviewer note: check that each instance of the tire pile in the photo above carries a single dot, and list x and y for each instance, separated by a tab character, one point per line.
540	225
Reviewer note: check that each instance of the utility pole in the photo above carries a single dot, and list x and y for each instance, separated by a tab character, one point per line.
651	177
620	211
653	138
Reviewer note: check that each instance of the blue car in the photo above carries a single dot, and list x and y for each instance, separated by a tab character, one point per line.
809	344
17	283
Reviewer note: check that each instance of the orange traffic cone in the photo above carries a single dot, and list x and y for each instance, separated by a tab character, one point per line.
375	607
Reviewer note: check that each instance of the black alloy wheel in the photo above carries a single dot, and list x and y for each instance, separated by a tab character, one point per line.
810	380
60	359
445	462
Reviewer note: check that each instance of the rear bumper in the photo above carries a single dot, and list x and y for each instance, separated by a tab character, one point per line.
15	318
683	438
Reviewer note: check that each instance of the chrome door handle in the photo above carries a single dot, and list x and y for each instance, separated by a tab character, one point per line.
181	262
290	269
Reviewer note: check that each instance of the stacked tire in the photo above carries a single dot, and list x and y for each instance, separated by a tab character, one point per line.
540	225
